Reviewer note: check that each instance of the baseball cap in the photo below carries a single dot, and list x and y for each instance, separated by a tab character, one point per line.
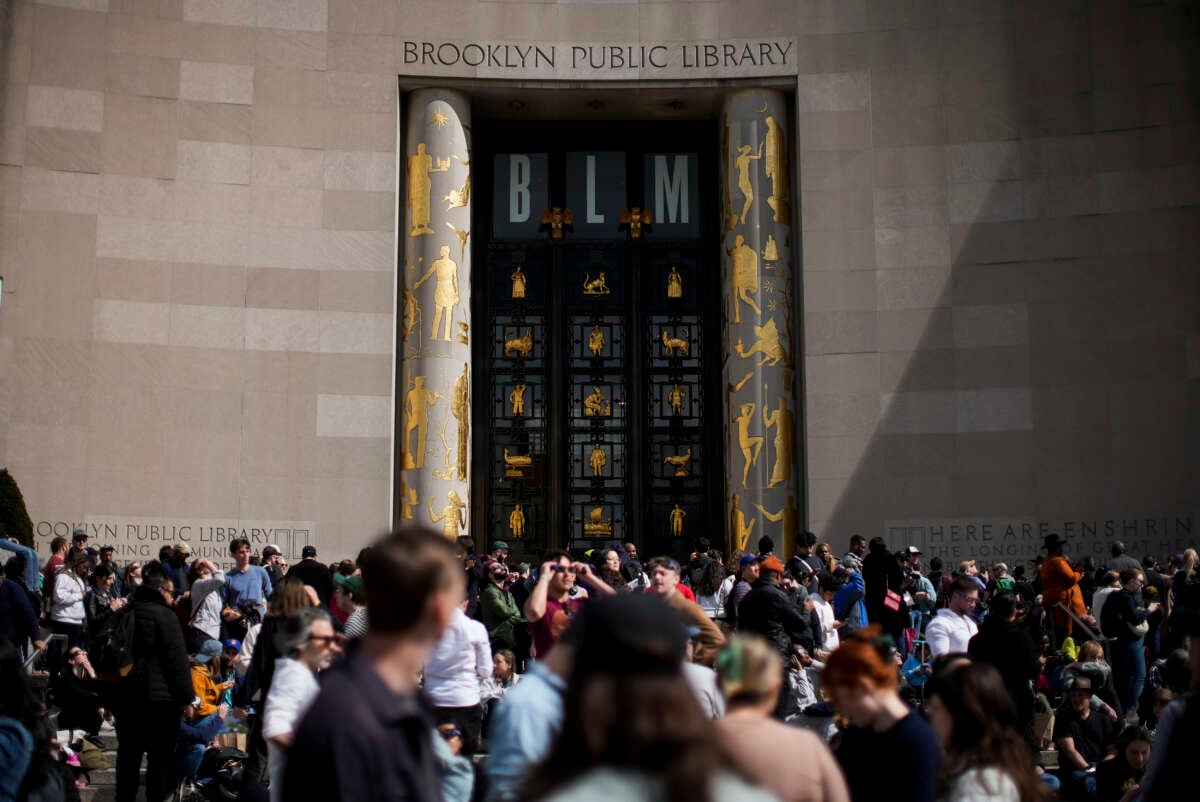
208	650
183	549
271	550
351	584
747	559
308	551
772	564
500	544
232	643
913	550
79	534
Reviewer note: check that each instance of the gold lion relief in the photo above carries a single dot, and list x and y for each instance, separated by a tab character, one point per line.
766	343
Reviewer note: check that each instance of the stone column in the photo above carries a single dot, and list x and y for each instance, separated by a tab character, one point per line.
433	393
761	467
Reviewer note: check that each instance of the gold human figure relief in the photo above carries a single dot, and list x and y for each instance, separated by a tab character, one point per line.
767	344
458	198
460	407
789	517
742	164
677	516
750	445
776	168
557	220
417	402
518	282
517	399
634	219
671	343
597	285
595	405
515	464
784	423
674	283
736	388
676	397
771	252
745	277
453	516
731	217
408	500
463	333
679	462
738	526
420	166
516	522
462	234
445	291
597	524
598	460
410	314
522	345
596	340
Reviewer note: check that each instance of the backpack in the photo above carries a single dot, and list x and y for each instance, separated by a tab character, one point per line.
111	648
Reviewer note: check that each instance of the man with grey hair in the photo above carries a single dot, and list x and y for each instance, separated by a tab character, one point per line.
306	641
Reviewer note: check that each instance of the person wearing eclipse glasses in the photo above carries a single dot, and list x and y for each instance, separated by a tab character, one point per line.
551	606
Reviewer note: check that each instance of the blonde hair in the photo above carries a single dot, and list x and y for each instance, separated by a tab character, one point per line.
748	670
1090	651
1190	558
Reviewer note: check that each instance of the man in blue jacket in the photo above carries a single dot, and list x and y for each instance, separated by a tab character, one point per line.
848	603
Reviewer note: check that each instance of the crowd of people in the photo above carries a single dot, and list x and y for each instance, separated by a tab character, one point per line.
428	669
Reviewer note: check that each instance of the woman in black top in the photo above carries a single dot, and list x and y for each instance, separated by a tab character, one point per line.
1119	779
1124	621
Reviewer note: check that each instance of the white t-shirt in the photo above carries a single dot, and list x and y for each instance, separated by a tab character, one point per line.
1098	599
825	615
293	689
461	659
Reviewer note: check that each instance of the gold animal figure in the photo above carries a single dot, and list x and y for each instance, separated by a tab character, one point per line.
767	345
679	462
597	285
522	345
672	343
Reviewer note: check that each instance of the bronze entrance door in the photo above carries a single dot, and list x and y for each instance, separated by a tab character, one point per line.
597	404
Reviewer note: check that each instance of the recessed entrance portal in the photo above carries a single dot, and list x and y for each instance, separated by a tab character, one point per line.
597	401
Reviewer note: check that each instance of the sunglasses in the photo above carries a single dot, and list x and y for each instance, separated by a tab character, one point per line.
322	638
562	569
450	732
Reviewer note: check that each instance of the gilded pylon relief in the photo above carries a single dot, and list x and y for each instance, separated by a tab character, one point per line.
434	385
761	451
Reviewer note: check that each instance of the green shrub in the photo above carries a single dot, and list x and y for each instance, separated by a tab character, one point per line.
14	518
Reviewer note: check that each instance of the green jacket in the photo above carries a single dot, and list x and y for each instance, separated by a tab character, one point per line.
499	612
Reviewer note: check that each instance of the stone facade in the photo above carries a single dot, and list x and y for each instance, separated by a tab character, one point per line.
997	200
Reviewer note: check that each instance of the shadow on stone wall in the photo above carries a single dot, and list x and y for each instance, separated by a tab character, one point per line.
1056	377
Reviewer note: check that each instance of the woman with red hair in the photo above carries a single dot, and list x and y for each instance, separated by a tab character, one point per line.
887	751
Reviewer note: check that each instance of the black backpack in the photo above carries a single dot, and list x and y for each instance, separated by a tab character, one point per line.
111	649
